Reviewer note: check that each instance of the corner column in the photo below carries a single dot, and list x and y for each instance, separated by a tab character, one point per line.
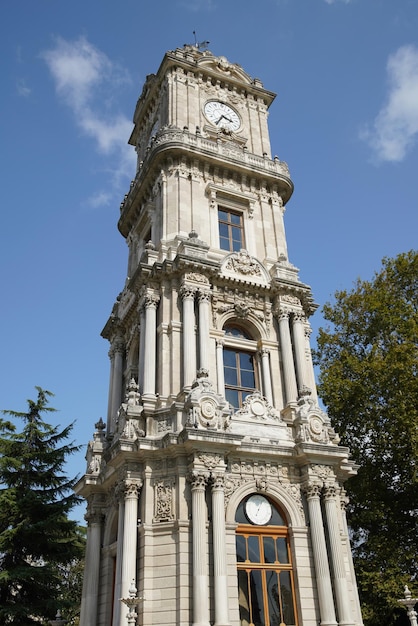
117	595
116	354
187	295
89	598
204	302
340	581
319	548
300	355
265	368
151	301
200	563
219	552
132	488
220	377
287	356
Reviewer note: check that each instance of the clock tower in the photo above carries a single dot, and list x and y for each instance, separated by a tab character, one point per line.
215	488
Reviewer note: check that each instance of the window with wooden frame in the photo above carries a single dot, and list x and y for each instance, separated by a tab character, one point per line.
240	371
231	230
264	566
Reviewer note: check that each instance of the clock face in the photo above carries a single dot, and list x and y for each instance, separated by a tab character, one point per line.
258	510
222	115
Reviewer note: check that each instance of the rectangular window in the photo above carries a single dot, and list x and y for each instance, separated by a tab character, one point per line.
231	230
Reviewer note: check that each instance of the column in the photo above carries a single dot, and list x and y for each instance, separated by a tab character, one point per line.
340	581
151	301
119	549
220	376
189	344
119	351
287	357
141	355
200	563
130	533
343	503
265	368
204	303
319	549
219	552
88	613
299	340
109	421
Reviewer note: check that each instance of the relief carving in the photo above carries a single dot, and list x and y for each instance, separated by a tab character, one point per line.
163	500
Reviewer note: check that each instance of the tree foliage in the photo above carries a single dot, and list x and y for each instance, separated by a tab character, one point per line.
368	358
37	538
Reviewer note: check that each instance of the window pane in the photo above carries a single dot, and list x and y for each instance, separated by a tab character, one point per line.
230	359
235	218
277	519
236	246
243	598
232	397
245	361
273	598
269	550
247	379
223	230
253	550
287	599
230	376
241	548
222	215
224	243
282	550
257	604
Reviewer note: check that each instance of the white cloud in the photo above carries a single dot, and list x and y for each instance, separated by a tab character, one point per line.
395	128
86	80
22	88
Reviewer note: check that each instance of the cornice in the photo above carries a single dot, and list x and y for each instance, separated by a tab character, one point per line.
223	153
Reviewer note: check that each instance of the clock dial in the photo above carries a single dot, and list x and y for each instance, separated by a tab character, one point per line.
258	510
222	115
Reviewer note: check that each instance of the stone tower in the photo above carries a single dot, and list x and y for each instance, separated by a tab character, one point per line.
216	485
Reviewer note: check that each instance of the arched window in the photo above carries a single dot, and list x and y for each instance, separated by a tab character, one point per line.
264	565
239	365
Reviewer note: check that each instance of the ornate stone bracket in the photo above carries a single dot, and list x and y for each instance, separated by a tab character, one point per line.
311	423
206	408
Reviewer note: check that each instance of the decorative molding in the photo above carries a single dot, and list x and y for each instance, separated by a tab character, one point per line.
163	500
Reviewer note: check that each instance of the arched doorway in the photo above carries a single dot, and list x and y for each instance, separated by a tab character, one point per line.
264	564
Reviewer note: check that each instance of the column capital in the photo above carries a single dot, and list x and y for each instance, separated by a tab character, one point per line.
198	479
187	292
204	295
218	482
150	300
330	492
312	490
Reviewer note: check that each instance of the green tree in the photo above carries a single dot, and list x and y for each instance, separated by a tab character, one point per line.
37	538
368	358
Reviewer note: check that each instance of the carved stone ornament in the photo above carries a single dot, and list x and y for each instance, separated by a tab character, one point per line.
312	424
258	421
163	500
210	460
242	263
245	267
206	409
96	448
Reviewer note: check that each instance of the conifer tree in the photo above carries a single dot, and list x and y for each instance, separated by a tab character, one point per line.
37	538
368	357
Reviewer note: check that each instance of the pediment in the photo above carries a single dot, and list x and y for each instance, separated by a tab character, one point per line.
222	66
242	266
257	419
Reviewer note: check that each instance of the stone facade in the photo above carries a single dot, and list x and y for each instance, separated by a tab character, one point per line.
212	397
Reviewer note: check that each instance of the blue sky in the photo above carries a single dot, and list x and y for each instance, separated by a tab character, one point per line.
345	119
